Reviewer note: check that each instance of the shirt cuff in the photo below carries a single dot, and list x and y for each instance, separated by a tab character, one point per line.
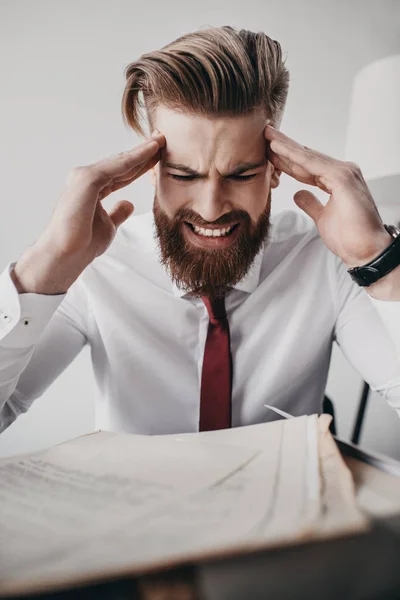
389	311
23	317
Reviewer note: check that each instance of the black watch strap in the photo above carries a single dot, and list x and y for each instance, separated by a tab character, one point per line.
385	262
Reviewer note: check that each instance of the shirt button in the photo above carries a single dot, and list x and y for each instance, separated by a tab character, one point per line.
26	320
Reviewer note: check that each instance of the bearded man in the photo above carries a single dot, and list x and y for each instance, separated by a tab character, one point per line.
203	310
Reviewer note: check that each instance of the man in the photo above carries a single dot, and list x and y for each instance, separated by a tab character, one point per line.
203	310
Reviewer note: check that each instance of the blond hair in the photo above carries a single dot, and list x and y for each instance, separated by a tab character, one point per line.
219	71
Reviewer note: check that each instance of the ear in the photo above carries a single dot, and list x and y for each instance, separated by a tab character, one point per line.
275	177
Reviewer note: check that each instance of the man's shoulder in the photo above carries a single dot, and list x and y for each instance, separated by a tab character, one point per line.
134	240
138	231
291	224
133	245
293	240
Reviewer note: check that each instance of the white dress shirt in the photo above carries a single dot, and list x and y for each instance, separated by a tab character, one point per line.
147	338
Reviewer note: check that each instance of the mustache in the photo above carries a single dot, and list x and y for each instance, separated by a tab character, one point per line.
235	216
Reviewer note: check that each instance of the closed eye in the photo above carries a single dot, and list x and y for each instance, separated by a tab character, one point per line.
191	177
182	177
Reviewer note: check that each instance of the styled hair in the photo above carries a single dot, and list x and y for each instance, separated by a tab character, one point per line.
219	71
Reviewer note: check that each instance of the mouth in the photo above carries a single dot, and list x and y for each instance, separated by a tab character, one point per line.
211	237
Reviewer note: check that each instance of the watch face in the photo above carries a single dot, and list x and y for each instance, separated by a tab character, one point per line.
393	230
365	275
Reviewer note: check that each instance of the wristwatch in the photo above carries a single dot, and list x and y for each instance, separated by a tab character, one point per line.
385	262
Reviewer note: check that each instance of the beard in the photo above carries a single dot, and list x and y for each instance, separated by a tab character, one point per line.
208	271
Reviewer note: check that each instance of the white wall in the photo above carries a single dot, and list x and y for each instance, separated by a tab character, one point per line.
62	78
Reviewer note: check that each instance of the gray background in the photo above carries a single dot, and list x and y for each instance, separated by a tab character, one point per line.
61	67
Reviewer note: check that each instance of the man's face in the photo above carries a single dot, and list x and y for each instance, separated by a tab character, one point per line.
213	177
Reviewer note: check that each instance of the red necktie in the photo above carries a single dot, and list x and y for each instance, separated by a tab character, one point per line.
216	377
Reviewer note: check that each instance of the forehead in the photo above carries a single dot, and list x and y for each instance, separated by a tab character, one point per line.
211	138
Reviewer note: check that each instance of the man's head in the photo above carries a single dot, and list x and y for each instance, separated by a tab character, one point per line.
211	94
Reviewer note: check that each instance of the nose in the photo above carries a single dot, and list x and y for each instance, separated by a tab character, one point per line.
211	200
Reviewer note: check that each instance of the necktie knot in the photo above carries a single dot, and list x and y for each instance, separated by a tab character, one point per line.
215	307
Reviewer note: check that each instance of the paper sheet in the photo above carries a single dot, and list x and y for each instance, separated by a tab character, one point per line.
341	512
107	504
55	501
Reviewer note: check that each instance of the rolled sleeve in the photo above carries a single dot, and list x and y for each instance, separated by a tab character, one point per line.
23	316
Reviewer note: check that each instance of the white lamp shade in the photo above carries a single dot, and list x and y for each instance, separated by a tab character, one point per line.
373	134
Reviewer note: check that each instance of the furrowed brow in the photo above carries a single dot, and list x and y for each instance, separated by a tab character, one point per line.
184	168
237	171
249	166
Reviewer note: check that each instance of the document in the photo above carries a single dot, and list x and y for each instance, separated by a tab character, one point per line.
109	504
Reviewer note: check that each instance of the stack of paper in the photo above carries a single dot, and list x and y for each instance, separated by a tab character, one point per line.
111	504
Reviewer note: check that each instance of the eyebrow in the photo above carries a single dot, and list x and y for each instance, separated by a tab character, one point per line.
237	171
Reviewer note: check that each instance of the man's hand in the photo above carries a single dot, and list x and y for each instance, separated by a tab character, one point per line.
80	228
349	224
80	225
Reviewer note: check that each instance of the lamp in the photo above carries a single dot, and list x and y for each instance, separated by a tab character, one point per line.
373	133
373	142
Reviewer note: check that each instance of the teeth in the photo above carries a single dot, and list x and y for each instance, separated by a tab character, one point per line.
212	232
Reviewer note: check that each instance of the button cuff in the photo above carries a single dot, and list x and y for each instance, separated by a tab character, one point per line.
23	317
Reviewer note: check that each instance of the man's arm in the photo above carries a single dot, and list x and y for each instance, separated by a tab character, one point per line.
351	228
40	335
368	333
